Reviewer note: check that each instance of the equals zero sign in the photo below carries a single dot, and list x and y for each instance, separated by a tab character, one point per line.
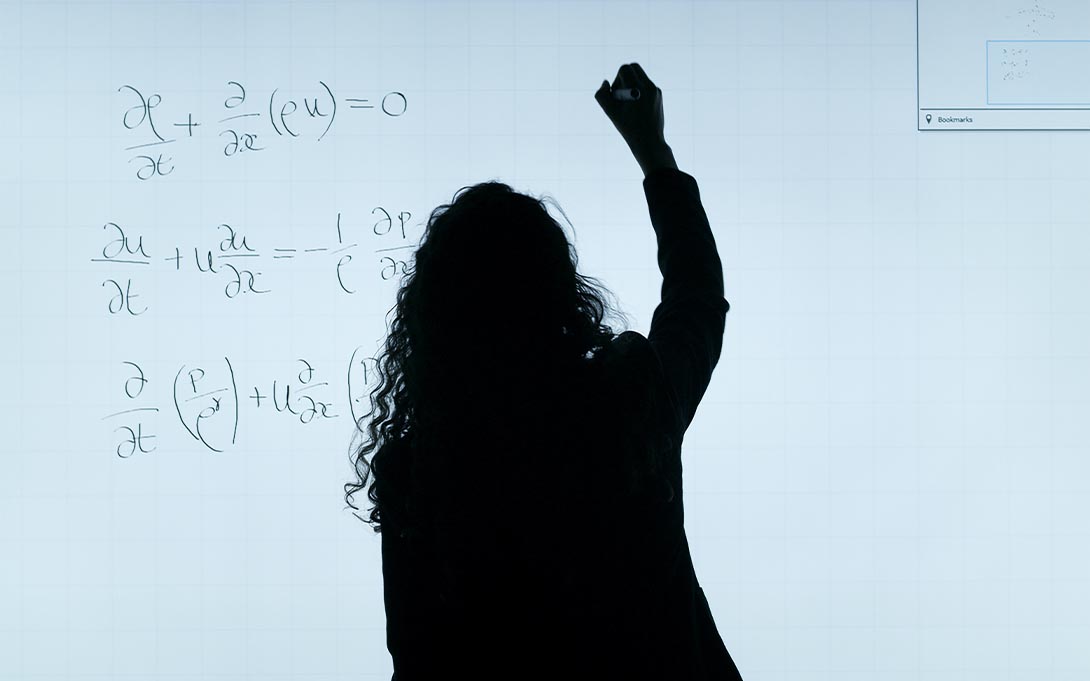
358	106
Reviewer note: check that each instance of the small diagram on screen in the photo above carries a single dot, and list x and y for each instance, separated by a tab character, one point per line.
1003	65
1038	72
1031	15
1014	63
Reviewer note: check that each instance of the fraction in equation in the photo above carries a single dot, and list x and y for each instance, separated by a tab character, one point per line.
208	405
241	127
242	266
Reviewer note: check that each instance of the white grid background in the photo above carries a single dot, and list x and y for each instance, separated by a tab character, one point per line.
887	478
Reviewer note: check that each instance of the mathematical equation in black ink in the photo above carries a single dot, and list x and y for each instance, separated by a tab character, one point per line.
208	405
241	129
239	264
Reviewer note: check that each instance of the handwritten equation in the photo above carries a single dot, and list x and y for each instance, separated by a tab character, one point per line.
246	126
211	402
241	266
208	404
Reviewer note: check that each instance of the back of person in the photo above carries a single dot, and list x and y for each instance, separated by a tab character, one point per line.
577	579
569	574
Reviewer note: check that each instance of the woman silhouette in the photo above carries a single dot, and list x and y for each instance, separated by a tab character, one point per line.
526	476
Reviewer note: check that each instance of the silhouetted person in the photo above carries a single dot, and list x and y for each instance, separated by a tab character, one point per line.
527	478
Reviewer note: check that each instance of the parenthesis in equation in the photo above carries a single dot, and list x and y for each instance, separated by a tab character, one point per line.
333	115
271	118
352	402
234	391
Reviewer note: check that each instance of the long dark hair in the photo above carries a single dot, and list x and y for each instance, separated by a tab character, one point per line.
491	319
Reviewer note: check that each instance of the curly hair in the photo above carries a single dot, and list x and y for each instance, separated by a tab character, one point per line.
491	310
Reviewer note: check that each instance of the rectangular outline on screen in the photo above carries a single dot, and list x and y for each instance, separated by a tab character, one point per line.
985	108
987	70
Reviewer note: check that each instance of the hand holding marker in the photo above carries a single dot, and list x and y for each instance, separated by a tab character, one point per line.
634	105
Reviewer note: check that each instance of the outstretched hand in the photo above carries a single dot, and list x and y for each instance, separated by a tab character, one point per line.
639	121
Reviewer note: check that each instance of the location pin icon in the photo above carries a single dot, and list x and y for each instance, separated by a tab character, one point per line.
928	117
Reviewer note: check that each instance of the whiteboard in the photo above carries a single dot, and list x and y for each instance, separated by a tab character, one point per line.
887	478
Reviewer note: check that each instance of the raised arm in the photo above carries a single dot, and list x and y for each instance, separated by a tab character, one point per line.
687	326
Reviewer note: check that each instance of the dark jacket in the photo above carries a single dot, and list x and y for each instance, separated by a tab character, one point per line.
613	593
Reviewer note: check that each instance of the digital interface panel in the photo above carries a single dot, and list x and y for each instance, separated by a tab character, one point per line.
1003	64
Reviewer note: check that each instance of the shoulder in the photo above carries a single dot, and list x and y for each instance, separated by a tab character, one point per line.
629	350
632	366
639	384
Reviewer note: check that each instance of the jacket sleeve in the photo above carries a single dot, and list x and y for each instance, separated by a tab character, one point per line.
411	635
687	326
398	599
410	621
